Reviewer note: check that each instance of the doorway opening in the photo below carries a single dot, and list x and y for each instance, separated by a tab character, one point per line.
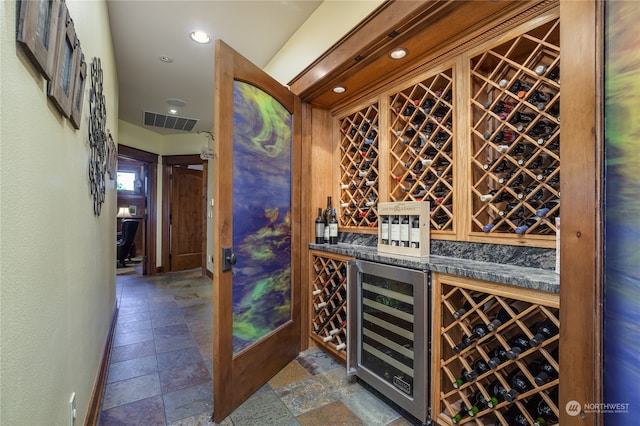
136	188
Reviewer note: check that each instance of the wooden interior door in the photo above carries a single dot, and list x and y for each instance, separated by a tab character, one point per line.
186	218
256	224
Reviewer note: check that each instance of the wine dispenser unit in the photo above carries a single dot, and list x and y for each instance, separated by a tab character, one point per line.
388	333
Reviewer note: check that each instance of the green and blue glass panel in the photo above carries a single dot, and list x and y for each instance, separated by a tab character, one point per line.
262	141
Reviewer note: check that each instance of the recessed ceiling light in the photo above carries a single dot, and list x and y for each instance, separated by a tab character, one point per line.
398	53
339	89
176	102
173	111
166	59
200	37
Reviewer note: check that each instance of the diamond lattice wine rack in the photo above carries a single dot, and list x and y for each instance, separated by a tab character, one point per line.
329	302
498	351
421	147
515	135
359	168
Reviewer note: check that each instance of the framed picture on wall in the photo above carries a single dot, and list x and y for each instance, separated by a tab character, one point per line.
60	87
78	89
133	210
37	29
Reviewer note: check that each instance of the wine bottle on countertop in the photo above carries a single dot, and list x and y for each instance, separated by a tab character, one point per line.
326	216
319	227
333	228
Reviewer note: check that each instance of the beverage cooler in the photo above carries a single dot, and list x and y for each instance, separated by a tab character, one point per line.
389	333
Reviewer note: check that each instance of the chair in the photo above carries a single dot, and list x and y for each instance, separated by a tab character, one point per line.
124	245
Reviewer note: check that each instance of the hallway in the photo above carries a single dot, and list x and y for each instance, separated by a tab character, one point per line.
162	364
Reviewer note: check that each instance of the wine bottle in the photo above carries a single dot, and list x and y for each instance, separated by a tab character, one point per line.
519	343
415	232
463	413
521	120
492	225
481	403
546	373
542	331
327	216
517	86
554	74
518	383
478	331
511	210
514	417
500	107
544	414
319	227
546	207
538	97
496	391
466	306
395	231
333	228
525	224
504	315
503	166
541	129
404	231
498	356
426	105
384	230
496	197
479	367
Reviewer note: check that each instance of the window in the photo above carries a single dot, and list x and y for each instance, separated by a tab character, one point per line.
126	181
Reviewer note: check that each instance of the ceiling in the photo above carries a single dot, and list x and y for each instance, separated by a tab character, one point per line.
144	31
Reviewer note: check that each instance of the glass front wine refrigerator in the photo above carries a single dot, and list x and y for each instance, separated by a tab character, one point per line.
388	333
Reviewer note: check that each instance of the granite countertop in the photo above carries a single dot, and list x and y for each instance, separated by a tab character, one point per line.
520	276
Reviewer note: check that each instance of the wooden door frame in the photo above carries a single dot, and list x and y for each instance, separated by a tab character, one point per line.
151	161
167	164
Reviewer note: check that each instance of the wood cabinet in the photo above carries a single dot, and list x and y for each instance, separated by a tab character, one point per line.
478	136
494	352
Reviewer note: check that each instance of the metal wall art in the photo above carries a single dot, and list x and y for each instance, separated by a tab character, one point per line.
97	137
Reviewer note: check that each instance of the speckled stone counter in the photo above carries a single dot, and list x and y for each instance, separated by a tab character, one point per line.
521	276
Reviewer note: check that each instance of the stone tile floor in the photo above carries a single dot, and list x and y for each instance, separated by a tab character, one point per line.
161	367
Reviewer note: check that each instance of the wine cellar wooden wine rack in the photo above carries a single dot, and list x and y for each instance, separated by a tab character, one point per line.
498	352
515	113
421	148
485	123
359	168
329	302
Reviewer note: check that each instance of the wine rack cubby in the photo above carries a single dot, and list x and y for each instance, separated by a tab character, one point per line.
329	302
515	134
498	352
359	166
421	146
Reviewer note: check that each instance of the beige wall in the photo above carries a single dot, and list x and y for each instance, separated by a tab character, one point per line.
57	260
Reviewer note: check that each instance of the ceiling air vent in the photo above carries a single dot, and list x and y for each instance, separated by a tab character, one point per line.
169	121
